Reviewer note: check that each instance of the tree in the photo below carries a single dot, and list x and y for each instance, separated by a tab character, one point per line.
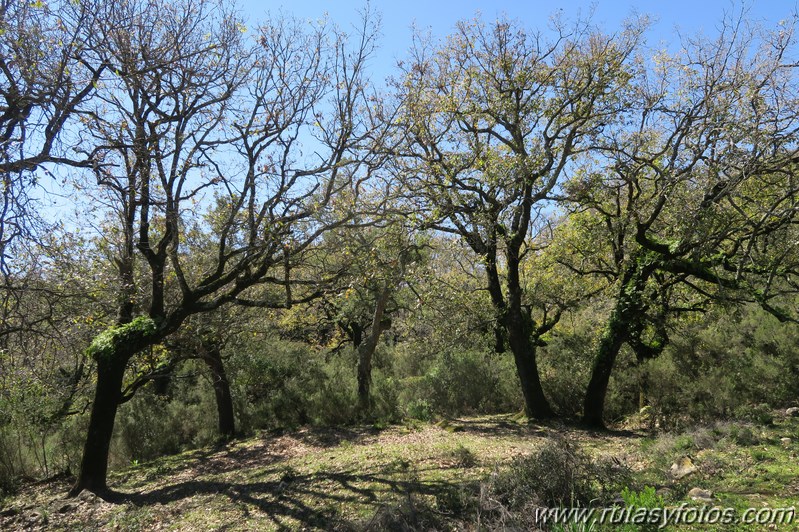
492	119
197	132
380	261
696	186
45	78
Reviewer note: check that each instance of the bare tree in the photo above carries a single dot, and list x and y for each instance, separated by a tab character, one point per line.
45	77
200	139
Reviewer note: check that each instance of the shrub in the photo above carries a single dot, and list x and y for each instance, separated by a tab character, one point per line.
719	367
408	515
463	457
565	363
760	414
274	383
461	382
559	474
743	436
645	498
420	409
152	425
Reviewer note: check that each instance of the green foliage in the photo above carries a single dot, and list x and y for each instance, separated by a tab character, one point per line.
463	457
456	382
565	363
645	498
581	526
152	425
730	365
419	409
760	413
278	383
107	342
457	499
743	436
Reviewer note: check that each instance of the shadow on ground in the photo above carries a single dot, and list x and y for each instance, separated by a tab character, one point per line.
296	501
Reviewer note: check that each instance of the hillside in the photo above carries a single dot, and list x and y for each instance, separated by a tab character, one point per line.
410	476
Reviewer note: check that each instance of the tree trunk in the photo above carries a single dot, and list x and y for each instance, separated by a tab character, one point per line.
499	339
626	318
364	379
520	326
94	465
536	405
366	351
224	399
614	337
112	350
642	392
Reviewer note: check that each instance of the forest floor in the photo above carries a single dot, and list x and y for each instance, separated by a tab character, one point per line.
365	478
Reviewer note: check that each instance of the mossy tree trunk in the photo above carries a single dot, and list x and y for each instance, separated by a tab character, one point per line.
107	397
523	336
111	349
536	405
613	338
624	320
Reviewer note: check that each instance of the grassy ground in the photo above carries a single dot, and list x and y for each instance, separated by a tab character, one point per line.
401	476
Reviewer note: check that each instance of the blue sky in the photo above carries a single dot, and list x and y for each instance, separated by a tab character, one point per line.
689	16
440	16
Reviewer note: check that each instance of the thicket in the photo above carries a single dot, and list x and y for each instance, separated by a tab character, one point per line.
719	366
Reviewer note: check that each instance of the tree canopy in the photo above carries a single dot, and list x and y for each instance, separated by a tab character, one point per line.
253	199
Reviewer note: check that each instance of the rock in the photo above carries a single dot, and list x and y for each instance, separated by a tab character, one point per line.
663	492
792	412
682	468
87	496
785	442
698	494
65	508
36	517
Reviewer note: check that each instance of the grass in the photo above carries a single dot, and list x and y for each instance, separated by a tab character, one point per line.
369	478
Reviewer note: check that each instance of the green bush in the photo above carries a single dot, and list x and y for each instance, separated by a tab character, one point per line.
274	383
743	436
462	382
559	474
420	409
462	456
760	414
386	391
565	363
645	498
721	366
8	476
152	425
